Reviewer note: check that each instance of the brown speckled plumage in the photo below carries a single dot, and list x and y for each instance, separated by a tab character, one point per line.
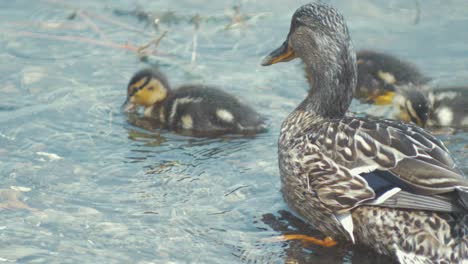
381	183
415	236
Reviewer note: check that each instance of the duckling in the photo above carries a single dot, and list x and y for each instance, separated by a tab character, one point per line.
449	107
445	107
378	73
195	109
385	184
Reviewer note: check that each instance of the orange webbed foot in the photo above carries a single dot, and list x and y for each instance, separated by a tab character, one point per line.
326	242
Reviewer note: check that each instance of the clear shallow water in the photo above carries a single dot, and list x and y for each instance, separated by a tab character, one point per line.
82	184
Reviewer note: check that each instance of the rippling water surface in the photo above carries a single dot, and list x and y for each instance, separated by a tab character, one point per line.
80	183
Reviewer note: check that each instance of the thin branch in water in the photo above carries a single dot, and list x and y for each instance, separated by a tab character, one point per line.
196	21
236	189
46	25
93	25
117	23
100	17
155	41
236	17
88	19
71	39
194	47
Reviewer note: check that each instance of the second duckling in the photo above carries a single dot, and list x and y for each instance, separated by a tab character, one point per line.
378	73
197	109
445	107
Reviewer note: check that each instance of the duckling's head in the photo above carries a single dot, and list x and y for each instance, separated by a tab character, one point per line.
319	36
412	104
146	88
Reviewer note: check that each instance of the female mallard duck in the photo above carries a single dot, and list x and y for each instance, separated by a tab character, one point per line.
197	109
385	184
446	107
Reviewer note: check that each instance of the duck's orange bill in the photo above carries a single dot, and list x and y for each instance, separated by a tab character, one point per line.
281	54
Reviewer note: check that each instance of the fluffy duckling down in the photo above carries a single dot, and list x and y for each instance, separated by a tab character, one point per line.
197	109
378	73
444	107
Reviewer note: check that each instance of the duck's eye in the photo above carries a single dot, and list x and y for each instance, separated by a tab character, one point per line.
151	88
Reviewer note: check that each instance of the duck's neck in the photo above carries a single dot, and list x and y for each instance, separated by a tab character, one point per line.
332	83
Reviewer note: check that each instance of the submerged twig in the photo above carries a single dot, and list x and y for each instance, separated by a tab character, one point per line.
236	17
46	25
93	25
99	17
196	21
103	39
155	41
71	39
236	189
117	23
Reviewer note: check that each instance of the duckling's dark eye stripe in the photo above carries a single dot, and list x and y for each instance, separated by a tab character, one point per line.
135	90
413	114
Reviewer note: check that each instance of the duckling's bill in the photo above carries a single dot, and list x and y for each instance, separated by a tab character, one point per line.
144	92
383	99
282	54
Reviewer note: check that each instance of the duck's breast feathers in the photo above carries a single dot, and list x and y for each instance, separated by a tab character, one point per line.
211	109
335	186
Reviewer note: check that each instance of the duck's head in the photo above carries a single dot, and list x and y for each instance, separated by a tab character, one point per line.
319	36
146	88
412	104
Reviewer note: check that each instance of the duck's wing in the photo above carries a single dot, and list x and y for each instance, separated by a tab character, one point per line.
385	163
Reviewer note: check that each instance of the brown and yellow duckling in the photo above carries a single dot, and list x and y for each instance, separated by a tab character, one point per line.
446	107
195	109
384	184
386	79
